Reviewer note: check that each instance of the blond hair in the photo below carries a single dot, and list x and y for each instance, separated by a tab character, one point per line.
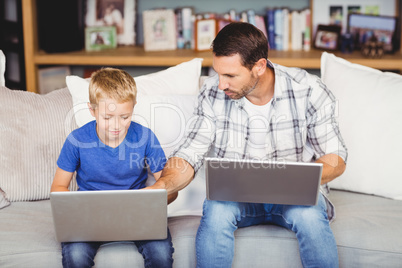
111	83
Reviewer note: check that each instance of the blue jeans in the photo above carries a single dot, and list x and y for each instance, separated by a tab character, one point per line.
215	236
156	253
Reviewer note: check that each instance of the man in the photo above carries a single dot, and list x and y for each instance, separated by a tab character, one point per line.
255	109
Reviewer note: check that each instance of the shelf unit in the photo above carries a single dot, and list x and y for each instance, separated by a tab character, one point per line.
136	56
11	42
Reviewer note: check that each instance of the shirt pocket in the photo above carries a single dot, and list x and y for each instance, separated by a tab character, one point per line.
289	138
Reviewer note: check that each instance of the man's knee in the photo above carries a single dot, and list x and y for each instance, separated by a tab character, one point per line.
220	212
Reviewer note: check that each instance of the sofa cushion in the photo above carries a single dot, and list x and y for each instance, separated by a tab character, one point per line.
369	103
182	79
4	202
33	128
367	231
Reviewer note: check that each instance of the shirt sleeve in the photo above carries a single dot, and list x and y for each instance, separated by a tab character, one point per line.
69	156
323	129
200	133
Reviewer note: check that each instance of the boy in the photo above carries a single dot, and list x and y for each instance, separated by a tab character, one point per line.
111	153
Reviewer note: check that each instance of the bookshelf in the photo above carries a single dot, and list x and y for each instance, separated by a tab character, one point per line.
136	56
11	43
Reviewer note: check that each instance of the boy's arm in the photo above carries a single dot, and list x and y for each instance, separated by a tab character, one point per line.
171	197
61	180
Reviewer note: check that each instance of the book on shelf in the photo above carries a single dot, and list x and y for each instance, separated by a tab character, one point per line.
278	29
271	28
284	28
185	27
307	31
260	24
296	29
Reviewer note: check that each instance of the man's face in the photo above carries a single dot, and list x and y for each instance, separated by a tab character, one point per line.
234	79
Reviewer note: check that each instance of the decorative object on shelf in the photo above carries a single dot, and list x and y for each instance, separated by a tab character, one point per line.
327	37
373	48
336	11
118	13
347	43
159	29
363	27
60	25
205	32
52	78
100	38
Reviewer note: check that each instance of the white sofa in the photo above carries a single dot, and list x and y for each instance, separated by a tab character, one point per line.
368	197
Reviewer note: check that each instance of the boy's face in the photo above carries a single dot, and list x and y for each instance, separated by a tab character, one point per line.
112	120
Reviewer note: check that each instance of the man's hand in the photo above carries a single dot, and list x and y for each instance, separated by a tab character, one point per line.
176	175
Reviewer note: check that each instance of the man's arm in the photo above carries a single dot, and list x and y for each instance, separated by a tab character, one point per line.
176	175
333	167
171	197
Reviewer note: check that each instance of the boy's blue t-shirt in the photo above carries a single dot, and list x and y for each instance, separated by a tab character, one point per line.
100	167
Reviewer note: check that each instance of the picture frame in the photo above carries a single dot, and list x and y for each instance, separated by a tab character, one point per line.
100	38
159	29
327	37
205	32
327	12
118	13
384	28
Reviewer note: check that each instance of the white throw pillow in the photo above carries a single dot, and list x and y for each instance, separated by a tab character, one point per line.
370	110
168	117
182	79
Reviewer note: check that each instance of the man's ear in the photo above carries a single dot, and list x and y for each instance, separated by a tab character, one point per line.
91	109
260	66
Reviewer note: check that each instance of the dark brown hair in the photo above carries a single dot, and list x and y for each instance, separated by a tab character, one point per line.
243	39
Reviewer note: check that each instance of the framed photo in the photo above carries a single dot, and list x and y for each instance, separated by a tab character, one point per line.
205	32
328	12
159	29
99	38
327	37
120	14
363	27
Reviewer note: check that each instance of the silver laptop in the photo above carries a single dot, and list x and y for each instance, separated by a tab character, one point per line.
288	183
115	215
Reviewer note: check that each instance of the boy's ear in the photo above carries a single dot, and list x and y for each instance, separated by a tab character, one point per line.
91	109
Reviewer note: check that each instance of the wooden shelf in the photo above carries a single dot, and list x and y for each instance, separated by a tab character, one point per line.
136	56
122	56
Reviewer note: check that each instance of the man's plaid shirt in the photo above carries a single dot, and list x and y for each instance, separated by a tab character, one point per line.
302	122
